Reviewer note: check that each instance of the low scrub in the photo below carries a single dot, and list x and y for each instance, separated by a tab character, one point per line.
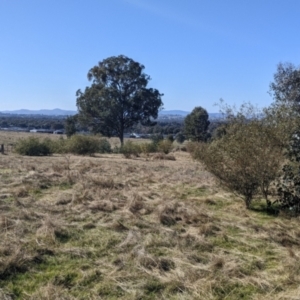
156	138
82	145
165	146
246	159
104	146
77	144
192	146
147	148
129	148
33	147
56	146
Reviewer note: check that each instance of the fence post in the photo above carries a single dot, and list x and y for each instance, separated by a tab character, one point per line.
2	148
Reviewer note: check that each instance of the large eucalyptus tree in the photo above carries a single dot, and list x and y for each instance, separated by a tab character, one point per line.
118	97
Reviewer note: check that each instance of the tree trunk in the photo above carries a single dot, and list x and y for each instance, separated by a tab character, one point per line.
248	201
121	137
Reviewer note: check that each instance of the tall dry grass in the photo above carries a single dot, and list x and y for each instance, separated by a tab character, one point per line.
106	227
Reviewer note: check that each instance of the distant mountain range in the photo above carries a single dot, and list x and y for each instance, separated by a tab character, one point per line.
61	112
48	112
174	112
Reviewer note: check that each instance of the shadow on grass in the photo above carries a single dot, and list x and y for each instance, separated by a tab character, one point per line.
263	208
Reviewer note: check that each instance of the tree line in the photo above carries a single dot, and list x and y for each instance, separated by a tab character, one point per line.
246	152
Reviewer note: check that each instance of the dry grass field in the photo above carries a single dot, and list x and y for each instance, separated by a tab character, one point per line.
106	227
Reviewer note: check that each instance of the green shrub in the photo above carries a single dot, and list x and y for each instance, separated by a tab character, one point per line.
198	151
288	185
165	146
156	138
130	148
32	146
104	146
56	146
116	150
82	145
180	138
147	148
246	159
170	137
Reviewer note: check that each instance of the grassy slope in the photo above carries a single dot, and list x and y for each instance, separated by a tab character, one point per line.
110	228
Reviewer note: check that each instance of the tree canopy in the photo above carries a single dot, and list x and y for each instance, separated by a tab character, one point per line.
118	97
70	125
196	125
286	85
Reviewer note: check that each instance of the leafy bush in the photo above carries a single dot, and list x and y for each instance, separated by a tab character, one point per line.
289	184
156	138
130	148
56	146
104	146
246	159
32	146
82	145
148	147
79	144
180	138
165	146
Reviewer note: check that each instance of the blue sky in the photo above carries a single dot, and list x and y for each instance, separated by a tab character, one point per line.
196	51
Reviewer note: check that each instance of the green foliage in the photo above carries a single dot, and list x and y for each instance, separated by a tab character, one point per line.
56	146
180	138
32	121
129	148
82	145
33	147
246	159
156	138
118	97
104	146
196	125
70	125
289	184
77	144
165	146
286	85
148	147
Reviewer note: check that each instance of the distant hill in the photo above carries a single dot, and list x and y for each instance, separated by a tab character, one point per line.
174	112
48	112
183	113
61	112
215	116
